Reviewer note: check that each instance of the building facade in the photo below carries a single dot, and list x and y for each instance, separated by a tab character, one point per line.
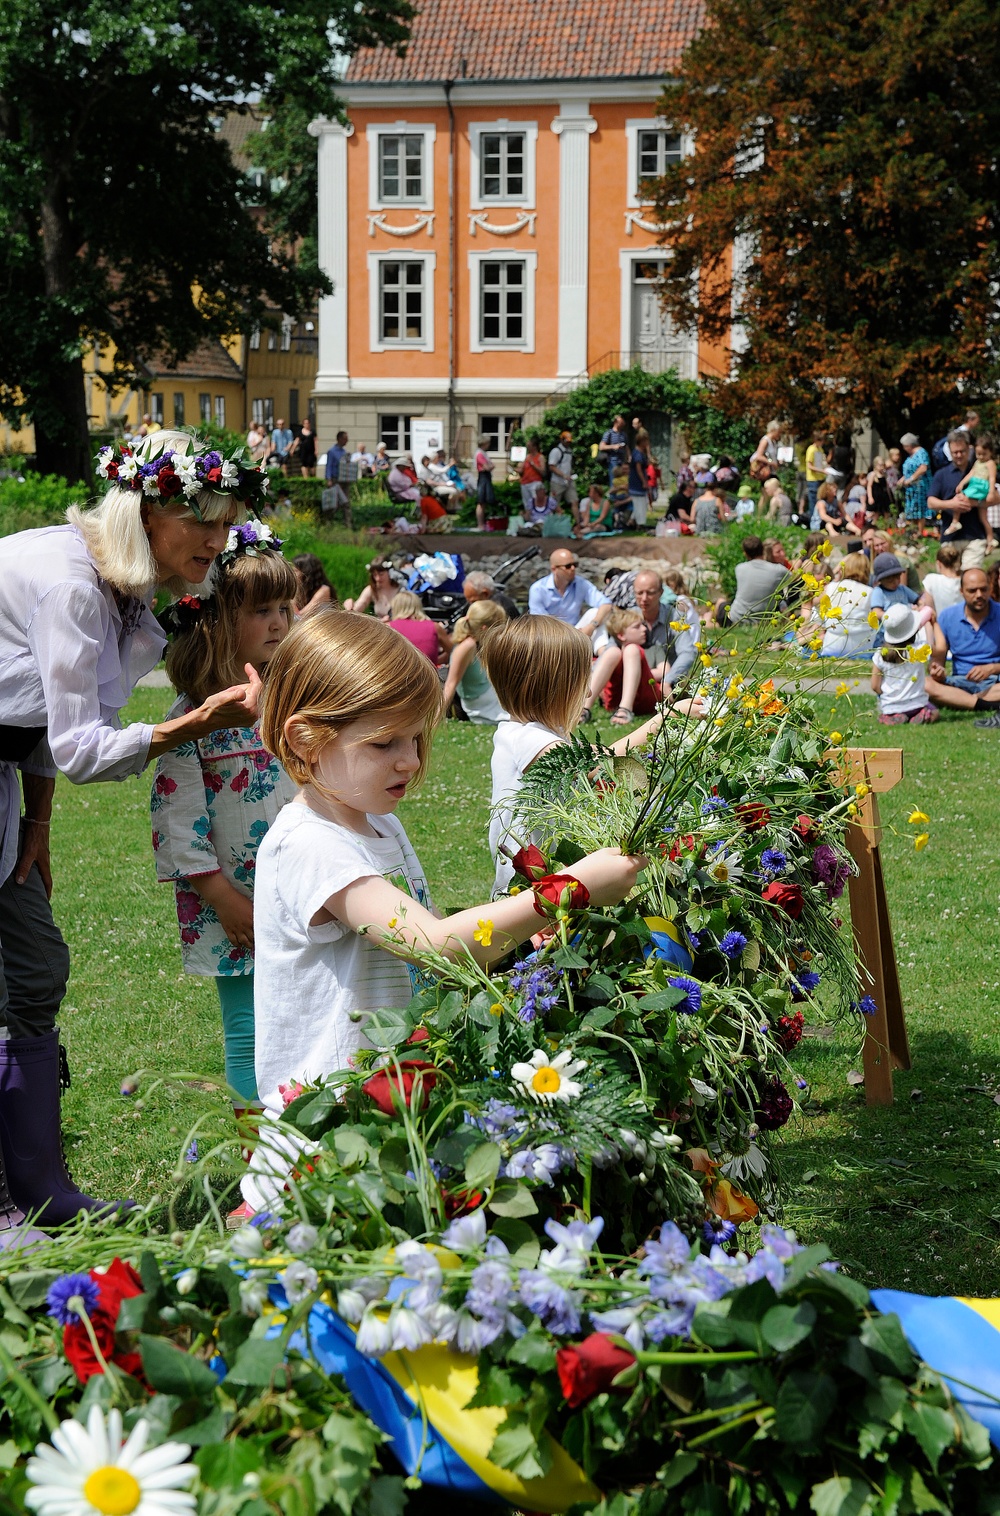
484	217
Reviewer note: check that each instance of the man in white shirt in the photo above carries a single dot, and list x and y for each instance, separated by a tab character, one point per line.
364	459
561	481
565	595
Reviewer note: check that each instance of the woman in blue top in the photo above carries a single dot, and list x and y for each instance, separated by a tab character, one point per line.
915	481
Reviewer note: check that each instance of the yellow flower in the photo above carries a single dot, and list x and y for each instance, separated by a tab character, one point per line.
734	652
815	643
678	626
811	583
706	660
827	549
918	818
873	621
852	809
699	646
841	689
861	790
393	922
496	1009
515	889
836	738
920	654
824	605
834	613
720	720
483	933
921	842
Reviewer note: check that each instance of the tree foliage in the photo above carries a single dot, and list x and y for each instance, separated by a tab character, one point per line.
118	196
850	153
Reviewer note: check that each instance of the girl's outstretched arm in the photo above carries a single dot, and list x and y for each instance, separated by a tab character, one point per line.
487	931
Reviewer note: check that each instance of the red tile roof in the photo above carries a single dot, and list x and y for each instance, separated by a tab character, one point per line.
536	39
209	360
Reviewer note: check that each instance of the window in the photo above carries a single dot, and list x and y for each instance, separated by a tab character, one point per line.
156	409
658	151
401	301
205	407
261	412
286	333
293	407
653	147
394	431
220	410
400	167
255	339
497	431
178	408
501	302
272	341
501	166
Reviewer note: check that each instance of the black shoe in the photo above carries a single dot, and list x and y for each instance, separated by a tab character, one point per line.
990	721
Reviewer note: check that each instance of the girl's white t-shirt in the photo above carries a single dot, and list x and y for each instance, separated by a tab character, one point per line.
902	683
944	590
310	980
516	744
851	633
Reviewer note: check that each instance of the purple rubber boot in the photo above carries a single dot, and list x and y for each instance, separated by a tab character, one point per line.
31	1135
13	1232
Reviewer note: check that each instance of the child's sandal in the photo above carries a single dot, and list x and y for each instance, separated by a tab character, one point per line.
622	716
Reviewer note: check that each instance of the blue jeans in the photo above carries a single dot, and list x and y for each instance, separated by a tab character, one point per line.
236	999
974	686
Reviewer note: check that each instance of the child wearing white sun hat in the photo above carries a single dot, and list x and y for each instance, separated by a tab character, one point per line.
899	668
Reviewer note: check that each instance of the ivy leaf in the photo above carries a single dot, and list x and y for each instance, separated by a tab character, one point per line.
516	1447
175	1372
496	1387
841	1497
803	1408
535	1351
785	1326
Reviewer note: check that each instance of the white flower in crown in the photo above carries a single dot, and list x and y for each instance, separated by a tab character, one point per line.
184	468
230	474
151	485
127	467
104	457
264	532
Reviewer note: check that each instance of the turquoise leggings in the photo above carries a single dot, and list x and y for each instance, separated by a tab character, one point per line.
236	999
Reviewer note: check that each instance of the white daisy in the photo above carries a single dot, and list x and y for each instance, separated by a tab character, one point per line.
185	470
104	457
151	485
127	468
725	868
89	1471
548	1079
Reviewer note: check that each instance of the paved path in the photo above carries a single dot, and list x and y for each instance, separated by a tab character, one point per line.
157	680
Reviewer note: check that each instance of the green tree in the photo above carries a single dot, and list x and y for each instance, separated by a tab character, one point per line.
118	196
850	153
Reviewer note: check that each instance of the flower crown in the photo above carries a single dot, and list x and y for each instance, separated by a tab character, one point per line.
182	615
169	474
249	540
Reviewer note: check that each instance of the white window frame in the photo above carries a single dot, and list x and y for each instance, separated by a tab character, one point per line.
529	129
425	129
400	255
632	130
627	260
502	255
286	333
220	410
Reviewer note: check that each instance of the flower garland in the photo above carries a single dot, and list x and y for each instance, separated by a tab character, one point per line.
169	475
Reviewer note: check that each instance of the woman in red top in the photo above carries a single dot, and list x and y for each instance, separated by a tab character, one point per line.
532	472
408	618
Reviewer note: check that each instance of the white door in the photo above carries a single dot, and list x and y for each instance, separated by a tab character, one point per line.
656	346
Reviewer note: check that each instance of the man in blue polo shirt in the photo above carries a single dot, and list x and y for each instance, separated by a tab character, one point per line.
970	631
565	595
942	496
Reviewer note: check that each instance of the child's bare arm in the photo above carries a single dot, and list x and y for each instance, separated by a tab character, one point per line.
876	680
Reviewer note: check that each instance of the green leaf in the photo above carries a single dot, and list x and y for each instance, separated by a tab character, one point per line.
224	1466
535	1351
394	1159
515	1447
841	1497
568	958
803	1263
149	1272
803	1407
711	1325
352	1150
449	1009
257	1362
132	1312
211	1428
482	1166
496	1387
569	852
387	1028
454	1148
174	1372
677	1470
661	1000
889	1349
600	987
479	1009
311	1112
600	1016
933	1427
922	1498
387	1496
785	1326
510	1199
31	1288
521	1240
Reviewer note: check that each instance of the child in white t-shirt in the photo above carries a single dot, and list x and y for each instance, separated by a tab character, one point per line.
543	667
898	676
349	709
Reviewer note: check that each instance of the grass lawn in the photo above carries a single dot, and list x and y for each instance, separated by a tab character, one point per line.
907	1197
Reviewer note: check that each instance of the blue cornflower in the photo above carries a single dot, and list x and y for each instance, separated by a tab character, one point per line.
717	1230
191	1156
692	995
694	938
773	861
732	944
802	1084
803	984
867	1005
712	804
63	1291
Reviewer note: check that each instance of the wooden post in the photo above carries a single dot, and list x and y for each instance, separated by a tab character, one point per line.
886	1044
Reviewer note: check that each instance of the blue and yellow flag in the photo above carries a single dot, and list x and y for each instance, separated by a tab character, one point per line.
956	1337
668	943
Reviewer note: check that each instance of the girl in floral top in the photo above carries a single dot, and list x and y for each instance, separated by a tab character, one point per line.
214	799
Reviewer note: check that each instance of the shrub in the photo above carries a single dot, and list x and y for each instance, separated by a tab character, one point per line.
36	500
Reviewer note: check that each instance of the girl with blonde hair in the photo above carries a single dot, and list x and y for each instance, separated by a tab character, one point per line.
76	635
408	617
341	901
213	799
466	676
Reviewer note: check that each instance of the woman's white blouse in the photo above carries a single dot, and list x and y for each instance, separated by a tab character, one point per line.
67	663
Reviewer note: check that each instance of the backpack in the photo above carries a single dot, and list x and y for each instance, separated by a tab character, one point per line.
939	458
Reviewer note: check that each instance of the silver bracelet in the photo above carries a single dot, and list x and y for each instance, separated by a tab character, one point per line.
30	821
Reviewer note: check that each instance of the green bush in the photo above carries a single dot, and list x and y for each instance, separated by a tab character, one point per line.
726	551
344	562
36	500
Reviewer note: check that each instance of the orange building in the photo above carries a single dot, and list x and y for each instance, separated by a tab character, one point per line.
483	221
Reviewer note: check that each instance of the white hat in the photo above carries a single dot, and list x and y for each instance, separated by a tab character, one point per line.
900	624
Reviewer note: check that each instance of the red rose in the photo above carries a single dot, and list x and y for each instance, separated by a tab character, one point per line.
112	471
562	892
529	863
806	828
789	1032
380	1086
786	897
753	815
214	475
588	1367
419	1034
120	1281
683	844
168	482
461	1201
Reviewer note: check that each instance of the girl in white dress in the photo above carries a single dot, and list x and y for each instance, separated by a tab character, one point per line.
214	798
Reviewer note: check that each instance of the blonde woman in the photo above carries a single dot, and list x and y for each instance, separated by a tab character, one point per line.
408	617
77	634
848	635
466	676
